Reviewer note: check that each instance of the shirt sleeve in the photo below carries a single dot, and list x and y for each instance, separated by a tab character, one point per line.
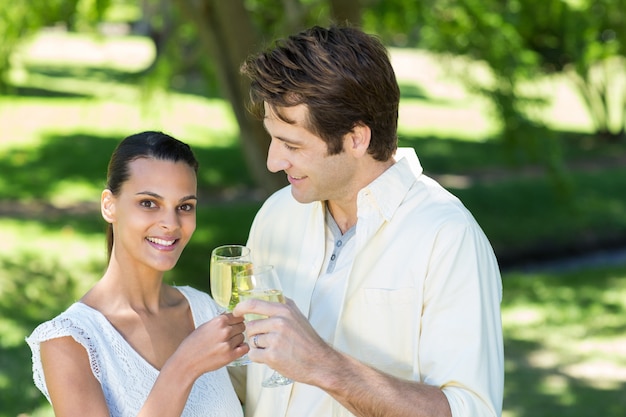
461	347
60	326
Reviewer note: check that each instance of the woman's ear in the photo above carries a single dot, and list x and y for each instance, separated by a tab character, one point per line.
107	206
359	139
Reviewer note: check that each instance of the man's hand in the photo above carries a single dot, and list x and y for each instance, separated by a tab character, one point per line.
285	341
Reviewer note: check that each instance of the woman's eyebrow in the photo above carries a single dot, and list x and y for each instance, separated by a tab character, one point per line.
189	197
149	193
157	196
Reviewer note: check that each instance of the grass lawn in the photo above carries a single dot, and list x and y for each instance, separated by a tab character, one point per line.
564	332
565	343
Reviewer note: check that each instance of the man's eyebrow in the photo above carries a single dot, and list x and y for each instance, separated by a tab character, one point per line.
286	140
281	138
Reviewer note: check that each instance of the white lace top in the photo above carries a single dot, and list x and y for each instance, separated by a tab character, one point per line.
126	377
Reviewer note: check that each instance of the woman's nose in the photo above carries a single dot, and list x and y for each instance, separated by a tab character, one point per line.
170	220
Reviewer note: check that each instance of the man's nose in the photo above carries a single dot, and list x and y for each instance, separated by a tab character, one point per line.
276	158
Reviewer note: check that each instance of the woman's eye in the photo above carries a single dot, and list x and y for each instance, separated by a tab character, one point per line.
147	204
187	207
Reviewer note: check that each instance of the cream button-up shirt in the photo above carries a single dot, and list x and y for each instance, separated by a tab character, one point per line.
422	296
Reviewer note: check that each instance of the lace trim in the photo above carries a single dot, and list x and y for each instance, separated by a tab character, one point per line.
126	377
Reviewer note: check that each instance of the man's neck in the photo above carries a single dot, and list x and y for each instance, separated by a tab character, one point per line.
343	216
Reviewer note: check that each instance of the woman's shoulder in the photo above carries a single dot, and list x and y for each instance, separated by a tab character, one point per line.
203	307
193	293
75	321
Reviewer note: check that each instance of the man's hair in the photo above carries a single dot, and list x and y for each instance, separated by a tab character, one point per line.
343	76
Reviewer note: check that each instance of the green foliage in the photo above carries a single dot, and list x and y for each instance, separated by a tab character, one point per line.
521	41
524	218
273	21
19	20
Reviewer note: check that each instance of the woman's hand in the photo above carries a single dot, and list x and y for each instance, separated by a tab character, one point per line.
213	344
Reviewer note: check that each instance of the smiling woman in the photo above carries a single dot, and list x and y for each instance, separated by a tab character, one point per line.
133	345
149	159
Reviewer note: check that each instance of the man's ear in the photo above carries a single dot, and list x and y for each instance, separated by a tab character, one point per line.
107	206
359	139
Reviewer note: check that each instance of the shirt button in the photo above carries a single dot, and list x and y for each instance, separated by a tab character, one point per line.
332	258
339	243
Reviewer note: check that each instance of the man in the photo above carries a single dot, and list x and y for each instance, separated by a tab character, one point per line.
393	291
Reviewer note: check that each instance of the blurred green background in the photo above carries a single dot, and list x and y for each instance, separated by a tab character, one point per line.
499	107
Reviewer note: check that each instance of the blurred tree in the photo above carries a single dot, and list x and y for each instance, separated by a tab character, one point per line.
213	36
520	40
230	31
21	19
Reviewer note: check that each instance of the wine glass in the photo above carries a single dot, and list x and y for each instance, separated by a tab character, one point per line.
261	282
226	262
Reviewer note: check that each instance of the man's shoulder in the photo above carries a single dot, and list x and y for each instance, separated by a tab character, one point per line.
430	202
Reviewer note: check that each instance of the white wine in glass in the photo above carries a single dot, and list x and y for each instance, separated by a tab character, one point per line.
226	262
262	283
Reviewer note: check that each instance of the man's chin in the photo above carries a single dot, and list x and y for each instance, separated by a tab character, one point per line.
301	198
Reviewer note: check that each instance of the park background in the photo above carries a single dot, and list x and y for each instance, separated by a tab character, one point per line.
517	107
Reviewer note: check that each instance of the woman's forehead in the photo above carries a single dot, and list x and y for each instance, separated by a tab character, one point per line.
159	173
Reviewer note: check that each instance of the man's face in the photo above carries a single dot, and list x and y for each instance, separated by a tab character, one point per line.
313	174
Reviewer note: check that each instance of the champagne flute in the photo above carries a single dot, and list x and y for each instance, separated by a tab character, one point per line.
261	282
226	262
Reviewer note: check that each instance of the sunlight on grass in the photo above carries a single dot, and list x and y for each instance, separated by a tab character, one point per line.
447	108
435	103
565	333
468	121
566	110
64	244
127	53
68	192
196	120
108	107
444	108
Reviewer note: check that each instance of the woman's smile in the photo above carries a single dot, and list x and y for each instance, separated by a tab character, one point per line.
162	244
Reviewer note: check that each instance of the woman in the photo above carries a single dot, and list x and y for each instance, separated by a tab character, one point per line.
133	345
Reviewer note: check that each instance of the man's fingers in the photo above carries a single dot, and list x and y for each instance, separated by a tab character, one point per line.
260	307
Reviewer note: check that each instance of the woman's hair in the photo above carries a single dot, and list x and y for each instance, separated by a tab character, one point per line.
156	145
343	76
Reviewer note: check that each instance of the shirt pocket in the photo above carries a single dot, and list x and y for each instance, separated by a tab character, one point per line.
389	329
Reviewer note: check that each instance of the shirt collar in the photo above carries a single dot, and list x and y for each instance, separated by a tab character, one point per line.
385	194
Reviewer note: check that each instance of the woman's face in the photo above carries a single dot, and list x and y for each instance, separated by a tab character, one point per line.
154	215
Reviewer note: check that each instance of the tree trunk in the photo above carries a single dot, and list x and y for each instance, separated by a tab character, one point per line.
228	35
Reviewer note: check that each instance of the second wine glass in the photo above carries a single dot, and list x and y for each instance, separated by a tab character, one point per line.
226	262
261	282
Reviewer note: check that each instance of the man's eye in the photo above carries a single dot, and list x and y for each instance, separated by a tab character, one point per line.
288	147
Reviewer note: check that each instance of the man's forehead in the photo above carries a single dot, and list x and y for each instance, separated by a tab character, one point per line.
297	115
